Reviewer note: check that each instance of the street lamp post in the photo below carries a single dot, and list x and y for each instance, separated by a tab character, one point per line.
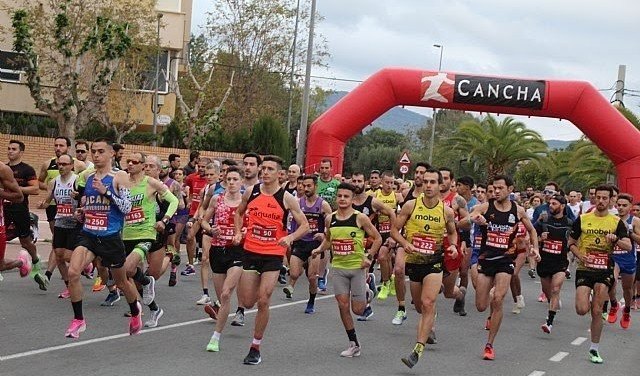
155	89
433	125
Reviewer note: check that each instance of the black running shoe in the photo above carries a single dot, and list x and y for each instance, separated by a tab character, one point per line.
253	357
411	360
172	279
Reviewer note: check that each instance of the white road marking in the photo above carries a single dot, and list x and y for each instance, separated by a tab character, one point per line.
537	282
116	336
559	356
578	341
537	373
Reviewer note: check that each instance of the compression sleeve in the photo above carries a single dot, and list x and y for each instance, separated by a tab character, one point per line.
173	203
122	200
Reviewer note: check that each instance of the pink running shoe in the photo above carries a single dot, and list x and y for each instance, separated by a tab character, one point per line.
88	269
65	294
25	269
542	297
135	322
75	328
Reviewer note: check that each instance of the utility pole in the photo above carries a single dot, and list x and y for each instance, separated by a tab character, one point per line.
293	67
155	89
433	126
304	118
619	93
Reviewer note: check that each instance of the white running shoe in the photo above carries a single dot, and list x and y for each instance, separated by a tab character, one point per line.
352	351
205	299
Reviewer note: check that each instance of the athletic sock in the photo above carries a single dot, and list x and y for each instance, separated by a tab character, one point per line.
134	308
66	283
48	274
419	348
312	299
240	309
255	344
77	310
605	306
141	278
552	315
216	336
614	303
205	292
153	306
594	346
351	333
401	308
627	307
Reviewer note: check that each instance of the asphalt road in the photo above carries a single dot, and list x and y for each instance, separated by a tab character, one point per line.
32	342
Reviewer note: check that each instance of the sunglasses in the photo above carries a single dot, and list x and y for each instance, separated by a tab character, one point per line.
80	151
549	192
165	167
62	164
133	162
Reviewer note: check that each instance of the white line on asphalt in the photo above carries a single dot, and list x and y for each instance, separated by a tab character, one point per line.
578	341
537	282
116	336
537	373
559	356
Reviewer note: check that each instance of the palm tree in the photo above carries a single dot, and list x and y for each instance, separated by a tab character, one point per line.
498	147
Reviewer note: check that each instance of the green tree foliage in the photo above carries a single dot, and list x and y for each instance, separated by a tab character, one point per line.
270	137
375	149
72	50
497	147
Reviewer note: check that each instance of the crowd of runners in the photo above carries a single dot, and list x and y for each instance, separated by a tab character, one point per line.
257	226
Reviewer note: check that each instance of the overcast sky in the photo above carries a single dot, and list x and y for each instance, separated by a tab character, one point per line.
544	39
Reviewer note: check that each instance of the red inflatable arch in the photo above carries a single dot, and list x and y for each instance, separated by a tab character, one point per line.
576	101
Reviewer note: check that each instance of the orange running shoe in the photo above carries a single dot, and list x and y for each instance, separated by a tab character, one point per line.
488	352
625	321
612	317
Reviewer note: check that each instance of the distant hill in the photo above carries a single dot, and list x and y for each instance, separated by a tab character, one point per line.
396	119
402	120
558	144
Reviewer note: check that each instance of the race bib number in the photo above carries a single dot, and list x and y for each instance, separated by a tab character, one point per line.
598	261
552	246
498	240
343	247
96	221
265	234
477	240
136	215
619	251
313	225
64	210
424	244
226	233
384	227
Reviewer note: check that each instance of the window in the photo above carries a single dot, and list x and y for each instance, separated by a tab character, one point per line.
12	65
169	5
147	79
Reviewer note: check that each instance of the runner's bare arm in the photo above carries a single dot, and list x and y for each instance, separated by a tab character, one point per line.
452	232
326	242
635	233
477	215
620	237
175	189
165	195
398	225
78	165
42	177
379	207
293	205
365	223
326	211
208	214
534	251
10	189
238	216
462	212
47	200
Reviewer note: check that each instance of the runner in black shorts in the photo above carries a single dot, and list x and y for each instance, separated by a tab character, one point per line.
592	240
266	206
315	208
107	201
18	213
498	220
553	251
